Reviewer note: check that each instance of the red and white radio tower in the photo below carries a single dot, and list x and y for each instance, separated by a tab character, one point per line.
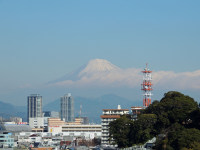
147	86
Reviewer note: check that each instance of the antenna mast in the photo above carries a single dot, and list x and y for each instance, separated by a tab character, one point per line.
147	86
80	113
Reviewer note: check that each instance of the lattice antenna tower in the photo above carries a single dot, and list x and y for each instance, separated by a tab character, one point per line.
147	86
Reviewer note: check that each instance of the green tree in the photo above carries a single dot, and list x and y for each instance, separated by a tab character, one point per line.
175	117
188	137
119	130
174	107
194	121
180	137
143	129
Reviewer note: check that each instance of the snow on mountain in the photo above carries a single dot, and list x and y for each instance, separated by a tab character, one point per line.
93	68
99	65
99	72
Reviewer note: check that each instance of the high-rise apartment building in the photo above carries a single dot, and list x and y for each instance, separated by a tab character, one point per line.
34	106
67	108
108	116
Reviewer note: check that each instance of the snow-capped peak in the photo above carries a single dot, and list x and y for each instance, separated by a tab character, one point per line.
99	65
92	68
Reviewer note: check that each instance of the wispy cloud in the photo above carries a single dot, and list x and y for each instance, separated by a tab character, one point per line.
133	77
183	80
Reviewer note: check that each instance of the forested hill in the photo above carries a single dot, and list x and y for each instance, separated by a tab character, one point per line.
174	120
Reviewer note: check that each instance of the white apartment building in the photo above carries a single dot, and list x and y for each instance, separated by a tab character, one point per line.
108	116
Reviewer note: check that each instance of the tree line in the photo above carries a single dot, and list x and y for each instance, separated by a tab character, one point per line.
174	121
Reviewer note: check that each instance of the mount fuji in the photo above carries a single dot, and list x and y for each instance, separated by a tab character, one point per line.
99	72
93	67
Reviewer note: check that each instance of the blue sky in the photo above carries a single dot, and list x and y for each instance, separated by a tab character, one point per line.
43	40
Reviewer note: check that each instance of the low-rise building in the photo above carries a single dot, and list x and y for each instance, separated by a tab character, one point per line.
6	141
14	128
49	114
36	122
88	131
136	110
55	122
77	121
17	120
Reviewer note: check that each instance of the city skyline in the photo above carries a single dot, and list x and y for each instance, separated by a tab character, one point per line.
42	41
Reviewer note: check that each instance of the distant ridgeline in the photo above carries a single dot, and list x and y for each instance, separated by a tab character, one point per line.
91	108
8	110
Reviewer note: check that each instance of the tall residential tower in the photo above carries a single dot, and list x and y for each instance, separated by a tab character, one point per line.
34	106
67	108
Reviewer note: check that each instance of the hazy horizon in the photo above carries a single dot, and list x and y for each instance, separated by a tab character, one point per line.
42	41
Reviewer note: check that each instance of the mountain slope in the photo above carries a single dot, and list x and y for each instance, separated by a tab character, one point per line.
8	110
91	107
93	67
